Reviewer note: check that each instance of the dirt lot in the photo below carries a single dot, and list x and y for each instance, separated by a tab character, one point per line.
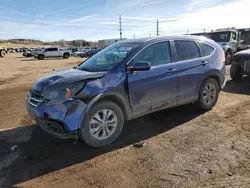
184	147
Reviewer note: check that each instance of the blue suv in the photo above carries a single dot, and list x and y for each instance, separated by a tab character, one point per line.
126	80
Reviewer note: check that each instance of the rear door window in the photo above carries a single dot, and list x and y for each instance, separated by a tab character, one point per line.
205	49
186	50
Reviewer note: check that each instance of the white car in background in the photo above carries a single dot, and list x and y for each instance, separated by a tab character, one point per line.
78	53
53	52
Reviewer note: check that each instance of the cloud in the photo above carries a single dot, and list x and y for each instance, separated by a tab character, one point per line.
151	2
64	9
169	19
84	18
142	3
105	25
108	23
192	4
15	11
211	18
148	18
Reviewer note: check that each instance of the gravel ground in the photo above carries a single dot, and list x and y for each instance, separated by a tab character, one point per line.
184	147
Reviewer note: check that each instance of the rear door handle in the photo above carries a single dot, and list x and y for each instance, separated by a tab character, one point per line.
170	71
204	62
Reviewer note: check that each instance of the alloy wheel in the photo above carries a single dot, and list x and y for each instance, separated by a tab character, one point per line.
209	94
103	124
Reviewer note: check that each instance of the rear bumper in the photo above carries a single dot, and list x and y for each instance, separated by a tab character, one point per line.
224	79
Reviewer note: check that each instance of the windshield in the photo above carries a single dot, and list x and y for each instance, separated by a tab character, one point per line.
220	36
108	58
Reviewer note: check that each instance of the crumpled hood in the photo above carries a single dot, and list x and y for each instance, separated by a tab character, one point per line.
62	77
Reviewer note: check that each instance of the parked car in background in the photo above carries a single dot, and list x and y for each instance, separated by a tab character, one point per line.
31	52
27	54
73	49
53	52
116	54
11	50
92	100
228	39
80	52
89	53
240	65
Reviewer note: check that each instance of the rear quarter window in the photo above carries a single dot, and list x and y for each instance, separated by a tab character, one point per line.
205	49
186	50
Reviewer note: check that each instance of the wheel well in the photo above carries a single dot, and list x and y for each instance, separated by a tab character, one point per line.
229	50
117	101
66	53
216	78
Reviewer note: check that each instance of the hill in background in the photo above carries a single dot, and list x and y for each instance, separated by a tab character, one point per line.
26	42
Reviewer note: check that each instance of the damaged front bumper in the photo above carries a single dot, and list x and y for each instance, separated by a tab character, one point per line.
61	120
56	129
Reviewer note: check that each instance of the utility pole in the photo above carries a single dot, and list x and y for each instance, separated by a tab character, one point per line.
187	32
134	36
157	27
120	26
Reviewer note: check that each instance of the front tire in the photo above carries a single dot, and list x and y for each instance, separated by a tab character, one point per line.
2	53
208	94
66	56
103	124
40	57
235	72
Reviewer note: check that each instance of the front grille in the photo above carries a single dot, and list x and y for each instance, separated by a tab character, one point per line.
35	98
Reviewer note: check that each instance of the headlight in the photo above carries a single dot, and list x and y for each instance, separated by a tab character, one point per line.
62	94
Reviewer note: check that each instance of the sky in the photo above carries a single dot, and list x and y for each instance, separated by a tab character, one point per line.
51	20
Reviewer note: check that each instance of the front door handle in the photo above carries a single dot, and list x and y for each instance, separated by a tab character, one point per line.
204	63
170	71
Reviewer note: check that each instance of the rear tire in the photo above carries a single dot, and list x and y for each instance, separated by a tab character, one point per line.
235	72
66	56
2	53
208	94
228	56
93	138
40	57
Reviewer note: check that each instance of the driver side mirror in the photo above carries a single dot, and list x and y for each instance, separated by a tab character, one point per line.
140	66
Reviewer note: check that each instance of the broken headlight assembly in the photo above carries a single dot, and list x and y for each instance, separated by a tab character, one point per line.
61	94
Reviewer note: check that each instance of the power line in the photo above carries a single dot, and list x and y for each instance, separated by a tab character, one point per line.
120	26
157	27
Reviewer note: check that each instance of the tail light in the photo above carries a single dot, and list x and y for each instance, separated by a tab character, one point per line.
223	57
